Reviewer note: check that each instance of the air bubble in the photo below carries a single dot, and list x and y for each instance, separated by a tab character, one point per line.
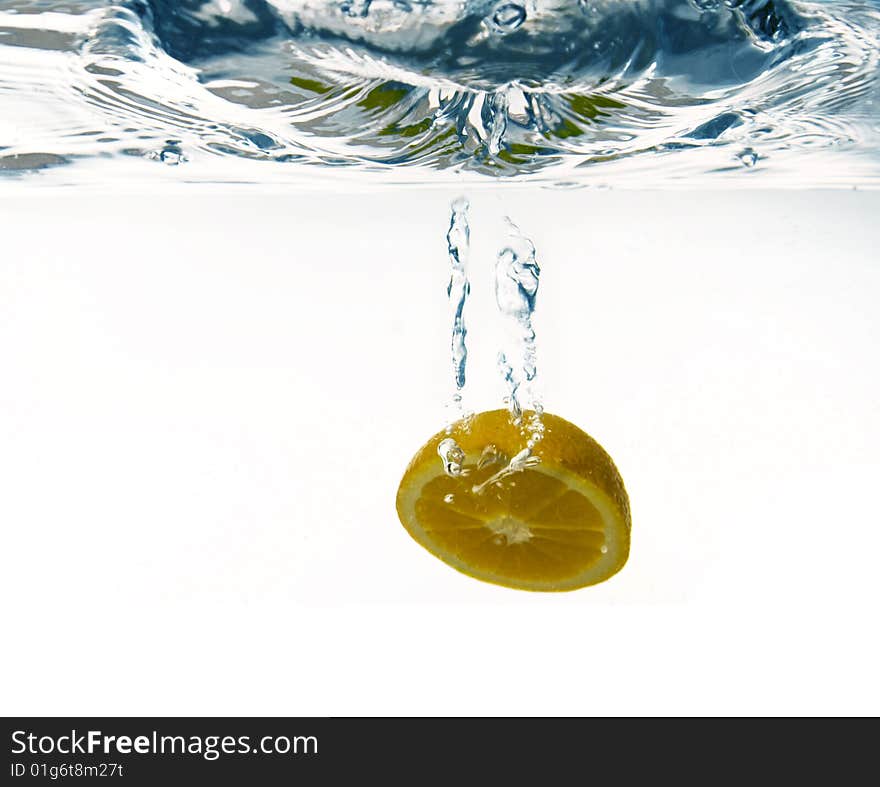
508	17
588	6
452	455
170	154
354	8
748	157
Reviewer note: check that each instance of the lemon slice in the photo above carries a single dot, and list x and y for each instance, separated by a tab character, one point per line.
560	524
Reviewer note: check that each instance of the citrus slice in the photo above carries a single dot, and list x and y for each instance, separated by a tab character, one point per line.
560	524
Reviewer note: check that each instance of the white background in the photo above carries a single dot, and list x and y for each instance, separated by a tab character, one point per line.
207	401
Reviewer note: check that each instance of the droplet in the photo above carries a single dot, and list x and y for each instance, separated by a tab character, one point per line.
603	549
508	17
449	498
748	157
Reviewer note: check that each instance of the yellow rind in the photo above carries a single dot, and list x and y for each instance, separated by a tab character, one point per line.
572	456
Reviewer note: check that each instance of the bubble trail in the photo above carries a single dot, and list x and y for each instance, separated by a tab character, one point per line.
517	275
458	289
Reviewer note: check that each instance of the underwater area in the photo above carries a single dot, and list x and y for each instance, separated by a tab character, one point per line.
250	254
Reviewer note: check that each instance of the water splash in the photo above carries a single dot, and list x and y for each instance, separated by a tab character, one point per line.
634	91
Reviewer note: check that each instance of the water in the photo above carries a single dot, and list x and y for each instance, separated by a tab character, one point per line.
221	387
577	92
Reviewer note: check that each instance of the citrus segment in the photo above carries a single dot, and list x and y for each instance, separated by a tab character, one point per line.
559	525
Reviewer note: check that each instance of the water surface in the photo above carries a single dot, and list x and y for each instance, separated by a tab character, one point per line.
566	92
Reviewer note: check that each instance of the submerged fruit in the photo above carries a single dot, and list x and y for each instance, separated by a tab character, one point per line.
560	524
